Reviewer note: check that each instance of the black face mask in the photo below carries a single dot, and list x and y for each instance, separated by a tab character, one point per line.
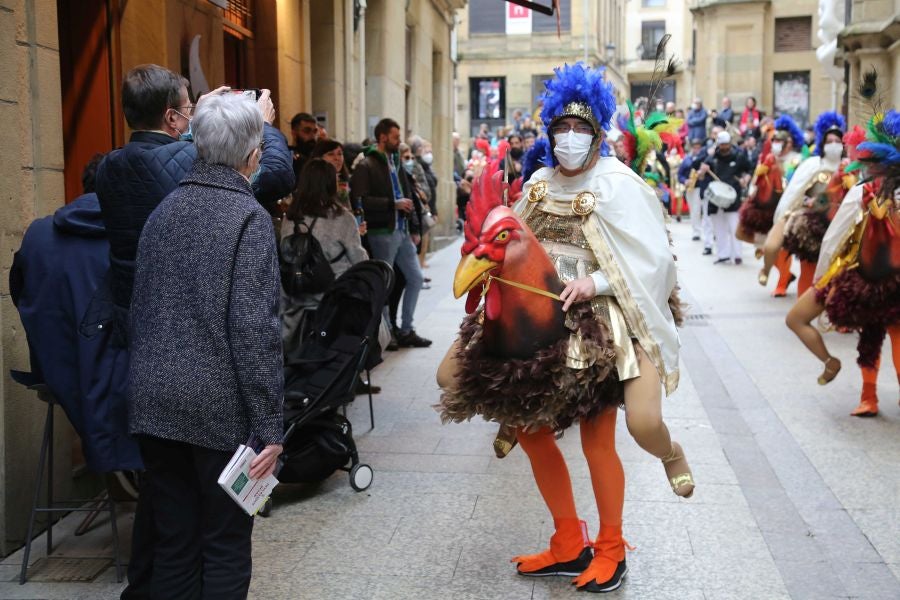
516	153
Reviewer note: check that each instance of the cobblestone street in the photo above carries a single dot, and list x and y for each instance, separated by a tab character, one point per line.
794	498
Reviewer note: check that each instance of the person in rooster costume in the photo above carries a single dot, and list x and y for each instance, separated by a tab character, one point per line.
787	148
569	317
857	278
812	213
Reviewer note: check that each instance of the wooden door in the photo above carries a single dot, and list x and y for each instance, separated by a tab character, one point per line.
84	63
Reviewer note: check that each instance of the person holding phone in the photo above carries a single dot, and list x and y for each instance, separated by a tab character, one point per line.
206	366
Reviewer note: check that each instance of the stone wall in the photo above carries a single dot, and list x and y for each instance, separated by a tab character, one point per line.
31	185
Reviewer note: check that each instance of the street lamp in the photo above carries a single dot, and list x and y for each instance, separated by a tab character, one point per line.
610	49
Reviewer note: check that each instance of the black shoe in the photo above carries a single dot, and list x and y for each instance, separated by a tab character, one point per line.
365	387
738	261
393	346
696	238
411	340
719	261
678	219
707	251
572	568
607	586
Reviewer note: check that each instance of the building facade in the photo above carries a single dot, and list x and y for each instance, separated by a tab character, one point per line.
648	21
506	52
349	62
764	49
871	39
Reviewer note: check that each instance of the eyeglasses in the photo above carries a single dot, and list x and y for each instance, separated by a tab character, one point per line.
188	108
564	128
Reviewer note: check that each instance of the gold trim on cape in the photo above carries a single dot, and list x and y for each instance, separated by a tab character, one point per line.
634	319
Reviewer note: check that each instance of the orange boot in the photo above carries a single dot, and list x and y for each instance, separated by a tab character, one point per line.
868	402
569	553
785	277
608	568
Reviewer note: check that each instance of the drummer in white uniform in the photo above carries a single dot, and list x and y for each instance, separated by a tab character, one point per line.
722	177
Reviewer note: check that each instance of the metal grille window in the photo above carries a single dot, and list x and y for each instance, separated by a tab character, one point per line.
651	33
793	34
239	17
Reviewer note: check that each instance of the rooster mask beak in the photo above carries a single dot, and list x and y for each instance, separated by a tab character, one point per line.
469	272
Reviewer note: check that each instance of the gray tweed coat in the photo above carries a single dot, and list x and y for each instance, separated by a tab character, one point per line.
206	360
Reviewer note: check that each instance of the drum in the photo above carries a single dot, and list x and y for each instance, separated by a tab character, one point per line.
721	194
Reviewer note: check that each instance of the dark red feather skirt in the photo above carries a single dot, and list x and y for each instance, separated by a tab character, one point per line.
536	392
853	302
757	218
803	239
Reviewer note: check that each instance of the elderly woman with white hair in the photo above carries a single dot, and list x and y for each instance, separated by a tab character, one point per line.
206	360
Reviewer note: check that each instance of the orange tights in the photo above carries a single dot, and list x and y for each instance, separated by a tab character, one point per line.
807	270
598	441
783	264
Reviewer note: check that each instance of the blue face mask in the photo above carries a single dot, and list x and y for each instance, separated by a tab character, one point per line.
255	174
187	136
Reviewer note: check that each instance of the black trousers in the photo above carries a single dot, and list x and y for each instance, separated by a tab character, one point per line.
198	537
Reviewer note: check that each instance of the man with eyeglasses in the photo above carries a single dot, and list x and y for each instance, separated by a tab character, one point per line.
304	130
603	229
130	184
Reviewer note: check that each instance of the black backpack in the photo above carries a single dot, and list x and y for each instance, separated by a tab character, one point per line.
304	267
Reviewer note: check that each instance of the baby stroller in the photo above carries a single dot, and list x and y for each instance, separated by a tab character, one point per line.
320	378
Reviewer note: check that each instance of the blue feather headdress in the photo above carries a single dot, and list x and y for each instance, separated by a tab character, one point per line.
575	88
787	124
828	121
539	155
880	153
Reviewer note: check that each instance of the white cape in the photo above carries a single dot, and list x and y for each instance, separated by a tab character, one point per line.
848	214
803	178
630	219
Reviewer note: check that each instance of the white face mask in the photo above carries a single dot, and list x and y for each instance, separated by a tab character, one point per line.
833	150
572	149
777	147
427	158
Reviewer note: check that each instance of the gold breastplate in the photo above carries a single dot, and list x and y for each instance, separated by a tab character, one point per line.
548	227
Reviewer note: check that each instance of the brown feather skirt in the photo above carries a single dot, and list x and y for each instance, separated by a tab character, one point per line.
804	233
536	392
755	217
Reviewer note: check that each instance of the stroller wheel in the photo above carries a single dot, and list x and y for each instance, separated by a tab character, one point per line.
266	509
361	477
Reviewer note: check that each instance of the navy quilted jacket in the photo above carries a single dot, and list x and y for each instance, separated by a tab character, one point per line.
133	180
206	360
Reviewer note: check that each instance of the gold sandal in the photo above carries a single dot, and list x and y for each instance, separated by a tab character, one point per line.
505	441
762	278
830	371
682	481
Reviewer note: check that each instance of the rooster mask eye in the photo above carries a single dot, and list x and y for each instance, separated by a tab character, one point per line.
502	236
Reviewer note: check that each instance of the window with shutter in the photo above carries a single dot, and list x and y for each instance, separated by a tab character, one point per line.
793	34
546	24
487	16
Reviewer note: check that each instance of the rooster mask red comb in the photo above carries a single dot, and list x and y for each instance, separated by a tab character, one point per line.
497	242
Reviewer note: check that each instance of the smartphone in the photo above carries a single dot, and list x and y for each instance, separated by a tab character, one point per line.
252	93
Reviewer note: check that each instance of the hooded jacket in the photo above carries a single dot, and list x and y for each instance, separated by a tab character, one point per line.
59	268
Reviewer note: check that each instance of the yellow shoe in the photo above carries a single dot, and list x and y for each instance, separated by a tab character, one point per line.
832	368
679	472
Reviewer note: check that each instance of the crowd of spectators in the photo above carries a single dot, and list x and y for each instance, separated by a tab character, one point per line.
172	277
